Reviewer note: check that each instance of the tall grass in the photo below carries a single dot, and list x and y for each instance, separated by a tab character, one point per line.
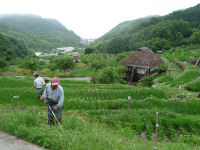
185	78
77	133
106	104
193	86
165	79
83	73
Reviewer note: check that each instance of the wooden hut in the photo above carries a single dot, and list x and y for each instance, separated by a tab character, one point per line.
143	62
76	59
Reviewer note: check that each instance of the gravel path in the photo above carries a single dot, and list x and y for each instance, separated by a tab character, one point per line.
10	142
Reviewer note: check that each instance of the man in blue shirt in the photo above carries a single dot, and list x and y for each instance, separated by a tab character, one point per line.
54	97
38	84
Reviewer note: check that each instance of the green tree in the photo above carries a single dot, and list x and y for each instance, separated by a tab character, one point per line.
63	63
147	81
3	65
89	50
109	75
195	37
31	63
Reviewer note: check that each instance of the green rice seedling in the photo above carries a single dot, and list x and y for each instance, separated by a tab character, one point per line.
83	73
13	82
110	112
193	86
186	77
165	79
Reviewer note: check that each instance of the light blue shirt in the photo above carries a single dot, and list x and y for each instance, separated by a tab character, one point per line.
56	95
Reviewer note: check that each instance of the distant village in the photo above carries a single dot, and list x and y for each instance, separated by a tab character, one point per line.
59	51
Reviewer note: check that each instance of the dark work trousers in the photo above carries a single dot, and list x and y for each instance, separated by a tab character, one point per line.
58	112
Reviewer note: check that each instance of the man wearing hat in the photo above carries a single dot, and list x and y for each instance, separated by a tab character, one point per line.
38	84
54	97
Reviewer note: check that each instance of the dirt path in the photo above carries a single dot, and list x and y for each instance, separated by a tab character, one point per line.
9	142
77	78
74	78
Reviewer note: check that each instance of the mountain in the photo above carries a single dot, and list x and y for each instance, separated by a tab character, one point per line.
126	27
11	48
156	32
37	32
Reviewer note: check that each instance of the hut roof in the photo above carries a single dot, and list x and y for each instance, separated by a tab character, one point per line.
143	57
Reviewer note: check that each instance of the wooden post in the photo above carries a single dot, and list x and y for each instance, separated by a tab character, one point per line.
13	105
197	61
169	72
156	138
129	104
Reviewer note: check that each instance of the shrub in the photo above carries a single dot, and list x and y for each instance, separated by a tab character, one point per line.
98	65
165	79
109	75
3	65
194	86
147	81
30	64
162	68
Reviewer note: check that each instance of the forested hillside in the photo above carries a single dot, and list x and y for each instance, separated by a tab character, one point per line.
37	32
158	33
11	48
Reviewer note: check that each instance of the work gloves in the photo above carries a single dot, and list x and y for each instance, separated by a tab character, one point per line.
55	108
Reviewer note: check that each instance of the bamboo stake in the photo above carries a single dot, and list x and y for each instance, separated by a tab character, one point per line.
129	104
156	138
13	105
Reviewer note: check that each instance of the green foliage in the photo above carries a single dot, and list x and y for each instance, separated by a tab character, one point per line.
98	64
147	81
88	72
3	64
62	63
157	33
109	75
37	32
33	128
185	78
162	68
11	48
31	64
195	37
122	56
165	79
193	86
89	50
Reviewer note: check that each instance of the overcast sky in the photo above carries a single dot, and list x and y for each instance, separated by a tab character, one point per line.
93	18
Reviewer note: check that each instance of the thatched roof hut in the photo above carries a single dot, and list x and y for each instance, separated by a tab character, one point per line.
143	57
143	62
76	59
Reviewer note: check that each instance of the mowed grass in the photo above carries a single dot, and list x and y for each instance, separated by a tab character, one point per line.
97	114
